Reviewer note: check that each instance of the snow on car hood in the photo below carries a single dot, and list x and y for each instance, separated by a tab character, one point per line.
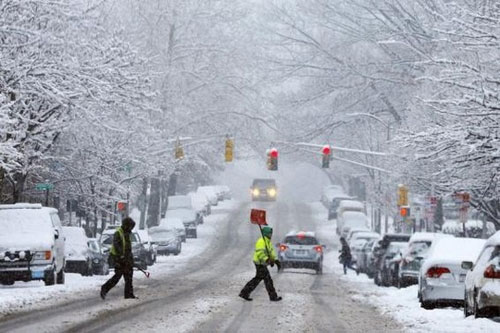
26	241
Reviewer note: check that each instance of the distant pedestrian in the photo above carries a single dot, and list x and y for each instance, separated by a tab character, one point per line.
264	255
345	255
123	259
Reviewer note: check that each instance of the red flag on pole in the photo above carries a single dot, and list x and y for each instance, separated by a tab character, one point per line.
258	217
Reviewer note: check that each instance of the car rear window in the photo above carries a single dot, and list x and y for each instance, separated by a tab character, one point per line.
299	240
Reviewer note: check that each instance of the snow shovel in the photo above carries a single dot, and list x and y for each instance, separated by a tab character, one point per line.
145	272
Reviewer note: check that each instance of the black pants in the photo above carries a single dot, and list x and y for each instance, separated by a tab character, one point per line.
261	274
127	272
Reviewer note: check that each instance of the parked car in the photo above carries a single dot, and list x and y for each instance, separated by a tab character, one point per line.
200	203
99	257
329	193
356	233
226	192
353	220
441	278
188	218
264	190
347	206
148	246
210	193
184	202
358	241
174	223
334	203
364	257
78	255
138	251
301	250
379	250
482	283
388	263
418	249
32	245
166	240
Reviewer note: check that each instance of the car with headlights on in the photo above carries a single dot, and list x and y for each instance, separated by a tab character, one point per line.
264	189
32	245
99	257
482	283
78	255
301	250
166	240
441	279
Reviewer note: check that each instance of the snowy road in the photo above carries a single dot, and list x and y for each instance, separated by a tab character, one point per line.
203	295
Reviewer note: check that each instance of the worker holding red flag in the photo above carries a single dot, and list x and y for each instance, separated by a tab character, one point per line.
264	255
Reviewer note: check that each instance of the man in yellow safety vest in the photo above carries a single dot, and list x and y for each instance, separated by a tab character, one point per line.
264	255
121	255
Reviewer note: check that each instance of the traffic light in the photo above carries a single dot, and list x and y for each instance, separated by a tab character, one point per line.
229	150
326	151
402	195
404	211
179	152
272	159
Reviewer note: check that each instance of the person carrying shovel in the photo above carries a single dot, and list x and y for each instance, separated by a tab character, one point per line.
121	254
264	255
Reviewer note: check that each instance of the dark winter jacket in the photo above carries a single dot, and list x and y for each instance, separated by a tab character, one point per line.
345	253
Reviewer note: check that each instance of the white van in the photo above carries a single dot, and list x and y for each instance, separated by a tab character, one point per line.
31	244
353	220
347	206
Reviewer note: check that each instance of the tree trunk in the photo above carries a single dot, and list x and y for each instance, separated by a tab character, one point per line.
154	203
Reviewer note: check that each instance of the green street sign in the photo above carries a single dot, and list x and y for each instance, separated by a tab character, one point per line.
44	186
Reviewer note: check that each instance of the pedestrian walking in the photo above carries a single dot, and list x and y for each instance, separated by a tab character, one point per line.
345	255
123	259
264	255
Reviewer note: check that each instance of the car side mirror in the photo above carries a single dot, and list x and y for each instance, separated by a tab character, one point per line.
467	265
56	234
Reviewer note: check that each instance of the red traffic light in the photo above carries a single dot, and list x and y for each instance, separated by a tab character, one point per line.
273	153
404	211
326	150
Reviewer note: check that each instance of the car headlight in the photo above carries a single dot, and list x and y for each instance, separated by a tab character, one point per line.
255	192
271	192
96	261
43	255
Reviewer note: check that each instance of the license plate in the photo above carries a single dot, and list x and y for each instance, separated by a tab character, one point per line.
300	252
461	278
37	274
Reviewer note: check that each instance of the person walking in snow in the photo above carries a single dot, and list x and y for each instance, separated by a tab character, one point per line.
121	255
345	255
264	255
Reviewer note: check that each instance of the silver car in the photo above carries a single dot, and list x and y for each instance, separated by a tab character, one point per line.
441	278
166	240
482	284
301	250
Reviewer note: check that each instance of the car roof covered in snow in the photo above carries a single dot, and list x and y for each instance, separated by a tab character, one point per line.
351	203
143	233
354	216
426	236
451	250
171	222
301	233
75	235
493	240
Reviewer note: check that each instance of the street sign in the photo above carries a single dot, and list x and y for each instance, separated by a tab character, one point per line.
229	150
44	186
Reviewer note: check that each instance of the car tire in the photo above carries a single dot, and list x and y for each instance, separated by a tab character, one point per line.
51	278
61	277
7	282
377	278
477	312
427	305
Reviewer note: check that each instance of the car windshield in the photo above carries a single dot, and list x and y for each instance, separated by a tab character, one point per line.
263	183
300	240
396	248
420	249
162	235
94	246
